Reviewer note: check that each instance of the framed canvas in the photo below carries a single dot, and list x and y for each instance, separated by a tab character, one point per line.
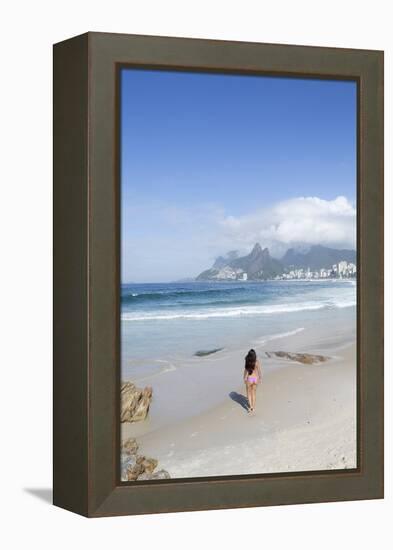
218	274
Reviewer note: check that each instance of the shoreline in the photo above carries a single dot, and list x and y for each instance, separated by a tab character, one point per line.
245	281
305	417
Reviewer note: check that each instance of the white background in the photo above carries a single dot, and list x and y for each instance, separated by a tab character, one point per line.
28	29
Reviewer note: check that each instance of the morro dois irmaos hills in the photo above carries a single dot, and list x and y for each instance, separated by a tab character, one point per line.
316	262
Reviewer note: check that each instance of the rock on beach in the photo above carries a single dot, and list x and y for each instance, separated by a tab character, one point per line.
135	402
136	467
305	358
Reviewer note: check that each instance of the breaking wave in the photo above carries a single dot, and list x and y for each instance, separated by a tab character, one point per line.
234	312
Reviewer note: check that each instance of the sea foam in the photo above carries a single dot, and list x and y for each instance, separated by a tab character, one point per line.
269	338
232	312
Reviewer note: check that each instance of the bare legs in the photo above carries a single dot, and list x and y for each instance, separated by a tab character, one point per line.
251	390
254	396
248	391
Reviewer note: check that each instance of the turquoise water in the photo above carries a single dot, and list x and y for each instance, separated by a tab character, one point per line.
169	322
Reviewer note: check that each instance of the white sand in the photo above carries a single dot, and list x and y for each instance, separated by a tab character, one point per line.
305	417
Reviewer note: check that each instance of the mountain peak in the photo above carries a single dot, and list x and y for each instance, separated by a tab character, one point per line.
259	252
259	265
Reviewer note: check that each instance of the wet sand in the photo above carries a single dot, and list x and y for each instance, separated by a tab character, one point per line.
305	417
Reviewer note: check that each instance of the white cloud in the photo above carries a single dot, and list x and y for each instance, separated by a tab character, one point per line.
178	242
302	220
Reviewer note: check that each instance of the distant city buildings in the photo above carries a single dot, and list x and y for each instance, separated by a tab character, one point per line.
227	273
342	270
258	265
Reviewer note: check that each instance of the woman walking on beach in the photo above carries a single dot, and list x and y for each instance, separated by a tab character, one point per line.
252	377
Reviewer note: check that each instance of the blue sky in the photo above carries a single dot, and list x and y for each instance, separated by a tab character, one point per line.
204	154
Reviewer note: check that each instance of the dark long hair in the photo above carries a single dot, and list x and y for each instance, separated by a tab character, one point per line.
251	359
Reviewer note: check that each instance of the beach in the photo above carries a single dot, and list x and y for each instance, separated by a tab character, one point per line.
305	416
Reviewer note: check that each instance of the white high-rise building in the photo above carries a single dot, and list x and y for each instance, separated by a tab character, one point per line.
342	267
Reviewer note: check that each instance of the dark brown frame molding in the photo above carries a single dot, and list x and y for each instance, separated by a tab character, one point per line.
86	274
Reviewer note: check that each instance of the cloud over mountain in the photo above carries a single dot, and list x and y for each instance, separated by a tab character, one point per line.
297	221
181	241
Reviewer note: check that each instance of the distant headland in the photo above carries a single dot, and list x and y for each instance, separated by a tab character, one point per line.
316	262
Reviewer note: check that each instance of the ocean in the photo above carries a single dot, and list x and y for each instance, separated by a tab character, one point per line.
164	325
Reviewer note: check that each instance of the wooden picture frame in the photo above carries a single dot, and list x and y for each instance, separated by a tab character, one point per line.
86	275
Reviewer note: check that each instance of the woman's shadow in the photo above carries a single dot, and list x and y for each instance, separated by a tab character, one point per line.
239	398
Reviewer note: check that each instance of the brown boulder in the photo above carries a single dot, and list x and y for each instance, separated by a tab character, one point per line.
134	472
149	464
135	402
143	405
128	464
129	446
305	358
